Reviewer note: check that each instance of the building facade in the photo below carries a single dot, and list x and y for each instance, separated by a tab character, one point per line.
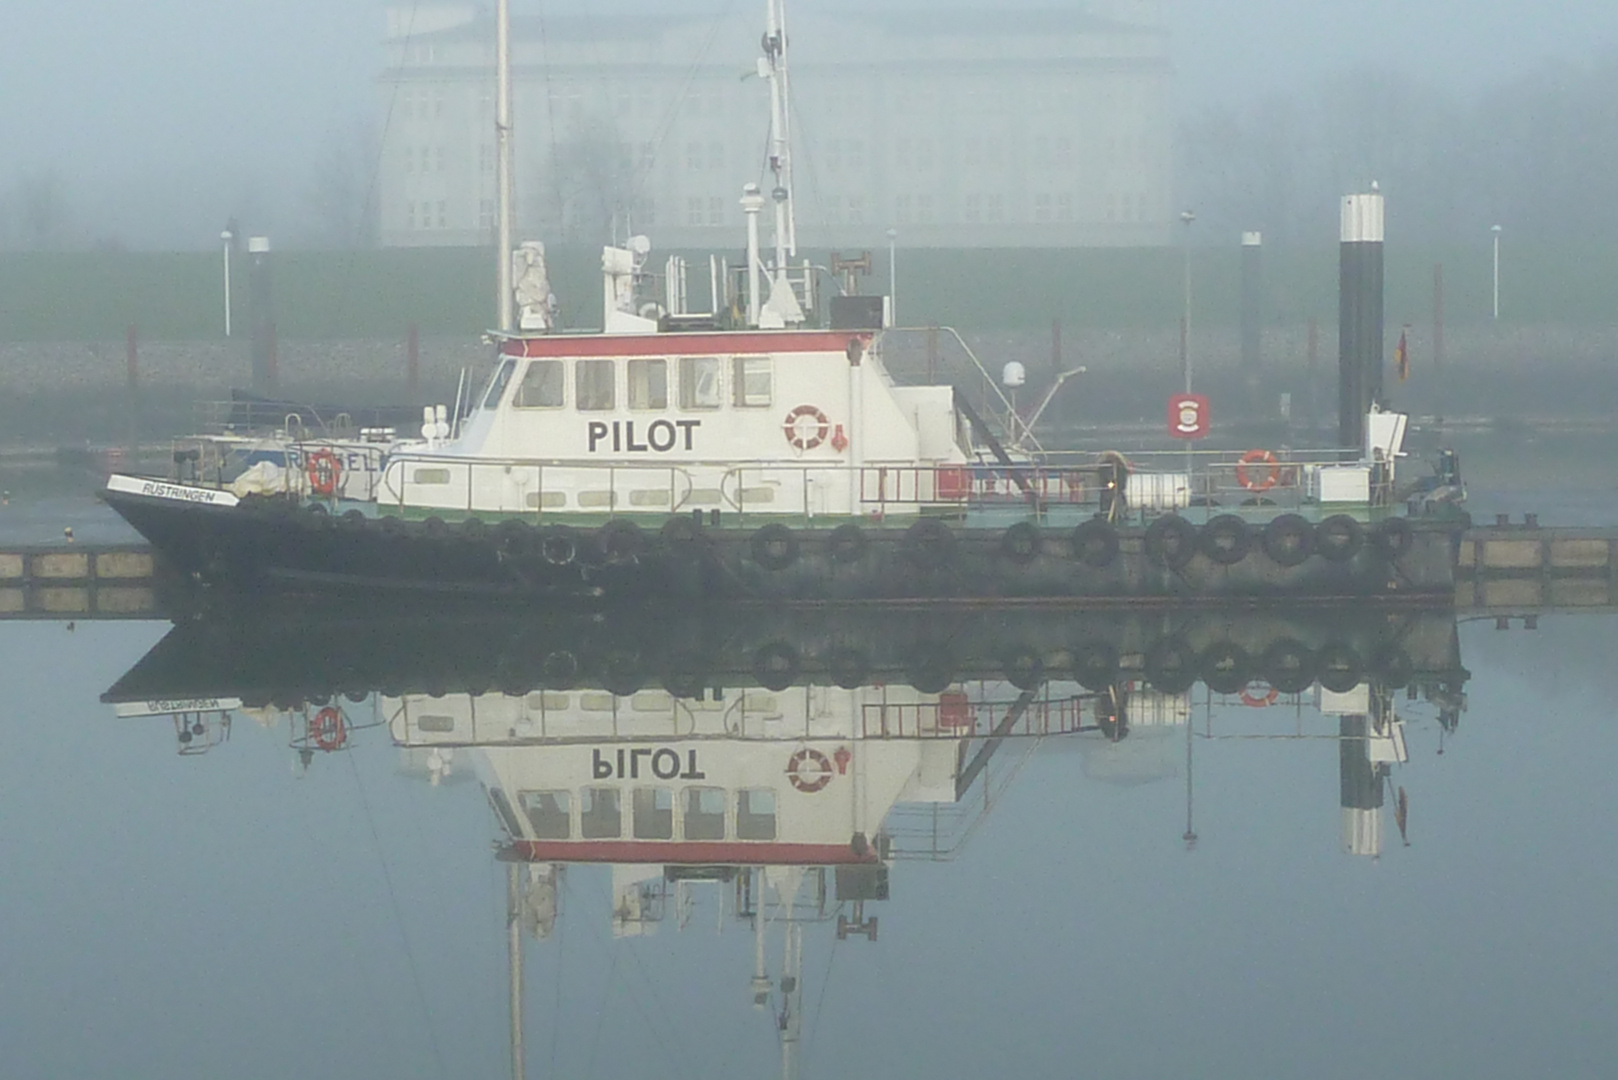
957	128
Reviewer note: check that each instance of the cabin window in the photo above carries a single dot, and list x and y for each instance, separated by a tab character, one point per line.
699	383
593	383
648	384
548	813
654	814
755	814
542	386
704	813
601	815
497	385
750	381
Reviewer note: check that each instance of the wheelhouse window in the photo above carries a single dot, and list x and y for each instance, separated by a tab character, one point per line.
593	384
548	813
648	384
601	815
653	814
755	814
704	813
497	385
699	383
542	386
750	381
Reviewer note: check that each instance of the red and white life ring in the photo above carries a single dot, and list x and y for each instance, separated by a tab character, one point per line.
1272	475
806	777
328	730
325	472
806	427
1259	695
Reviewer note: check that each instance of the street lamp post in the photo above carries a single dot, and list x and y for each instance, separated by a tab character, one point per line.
1496	231
1185	325
226	238
893	276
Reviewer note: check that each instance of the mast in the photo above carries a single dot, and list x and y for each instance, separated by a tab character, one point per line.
502	136
514	956
775	70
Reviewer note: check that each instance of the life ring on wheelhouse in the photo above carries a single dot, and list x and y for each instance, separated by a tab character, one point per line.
1272	474
809	770
325	472
327	730
806	427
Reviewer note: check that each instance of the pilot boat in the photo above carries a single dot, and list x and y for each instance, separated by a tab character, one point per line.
763	449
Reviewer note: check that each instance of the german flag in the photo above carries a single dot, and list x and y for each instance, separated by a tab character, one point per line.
1401	357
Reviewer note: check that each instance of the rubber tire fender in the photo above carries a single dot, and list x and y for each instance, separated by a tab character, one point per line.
1226	540
1392	537
847	543
930	543
774	547
1288	540
1095	543
1171	542
1021	542
1339	538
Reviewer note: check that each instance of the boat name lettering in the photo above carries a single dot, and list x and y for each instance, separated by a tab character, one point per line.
184	494
660	435
626	764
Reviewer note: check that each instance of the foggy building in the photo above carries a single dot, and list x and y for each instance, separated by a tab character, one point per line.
957	127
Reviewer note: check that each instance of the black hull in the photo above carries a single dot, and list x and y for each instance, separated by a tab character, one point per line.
270	546
287	655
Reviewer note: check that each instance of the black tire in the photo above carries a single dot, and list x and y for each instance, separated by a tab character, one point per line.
560	670
1392	666
1226	668
848	668
1095	665
847	543
685	676
621	540
474	529
774	547
775	666
1226	540
1339	666
435	527
1023	668
1289	666
1095	543
515	537
353	520
931	669
1288	540
1392	537
680	534
390	525
1171	542
558	545
1171	665
1021	542
1339	538
930	543
622	674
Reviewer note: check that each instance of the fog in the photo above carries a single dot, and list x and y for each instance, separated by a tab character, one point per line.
149	126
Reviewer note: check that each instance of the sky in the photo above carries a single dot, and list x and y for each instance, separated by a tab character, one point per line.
165	117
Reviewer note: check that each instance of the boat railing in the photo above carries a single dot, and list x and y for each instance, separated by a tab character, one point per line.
955	715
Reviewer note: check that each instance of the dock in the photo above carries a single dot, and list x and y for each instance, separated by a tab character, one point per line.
78	581
1504	569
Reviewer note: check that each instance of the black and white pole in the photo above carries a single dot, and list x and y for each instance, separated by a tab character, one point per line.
1252	294
1359	315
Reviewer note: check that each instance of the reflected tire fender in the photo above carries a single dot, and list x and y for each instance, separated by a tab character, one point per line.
775	666
1339	666
1171	665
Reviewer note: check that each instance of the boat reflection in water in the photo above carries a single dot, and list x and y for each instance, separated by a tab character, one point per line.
785	762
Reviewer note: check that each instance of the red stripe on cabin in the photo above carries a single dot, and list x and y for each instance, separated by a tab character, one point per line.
714	344
689	853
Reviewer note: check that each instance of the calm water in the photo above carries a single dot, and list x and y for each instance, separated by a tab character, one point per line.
303	899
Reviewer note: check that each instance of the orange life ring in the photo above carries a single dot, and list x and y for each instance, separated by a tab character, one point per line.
327	729
802	436
325	472
1272	476
1260	700
806	780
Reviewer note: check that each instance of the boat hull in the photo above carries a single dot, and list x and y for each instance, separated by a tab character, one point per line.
271	545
